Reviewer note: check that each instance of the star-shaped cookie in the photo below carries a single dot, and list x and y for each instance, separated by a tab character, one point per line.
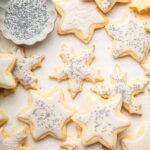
139	140
76	144
13	141
80	18
128	90
23	70
7	63
76	69
141	6
106	5
101	120
47	114
3	118
130	37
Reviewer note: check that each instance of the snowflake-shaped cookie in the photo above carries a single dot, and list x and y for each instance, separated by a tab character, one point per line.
128	90
138	140
130	36
80	18
47	114
76	69
13	141
106	5
7	63
24	67
101	120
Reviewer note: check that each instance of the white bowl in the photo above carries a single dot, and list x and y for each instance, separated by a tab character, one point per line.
27	21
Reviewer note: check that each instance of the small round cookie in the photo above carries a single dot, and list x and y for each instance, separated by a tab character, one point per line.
73	143
107	5
13	141
23	71
26	22
101	121
3	118
139	140
141	6
129	36
77	68
7	63
47	114
80	18
128	90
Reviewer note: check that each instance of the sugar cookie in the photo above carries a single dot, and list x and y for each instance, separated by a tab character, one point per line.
76	69
3	118
130	37
141	6
76	144
80	18
7	63
13	141
106	5
24	67
139	140
128	90
47	114
101	120
27	21
147	28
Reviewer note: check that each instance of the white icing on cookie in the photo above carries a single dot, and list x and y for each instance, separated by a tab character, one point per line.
120	85
146	67
24	66
101	121
7	63
47	113
76	17
12	141
130	37
76	143
76	68
139	140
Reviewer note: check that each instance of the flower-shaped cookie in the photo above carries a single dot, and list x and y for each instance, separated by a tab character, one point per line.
27	21
76	69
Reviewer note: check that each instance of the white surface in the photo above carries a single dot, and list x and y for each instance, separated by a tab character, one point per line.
13	103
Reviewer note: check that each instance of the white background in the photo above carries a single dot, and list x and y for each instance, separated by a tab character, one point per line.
50	47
